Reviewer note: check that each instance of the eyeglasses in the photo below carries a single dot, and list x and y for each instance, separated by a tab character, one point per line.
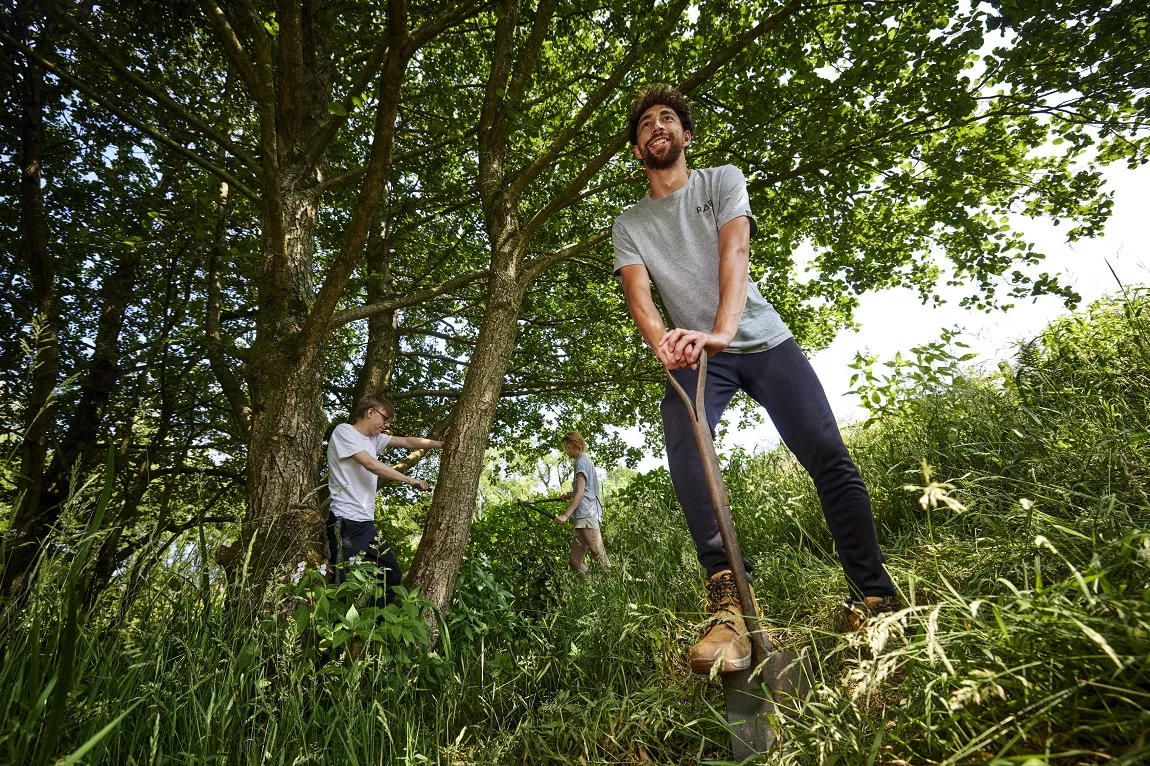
386	417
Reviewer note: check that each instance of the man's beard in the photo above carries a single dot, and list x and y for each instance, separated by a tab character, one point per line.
653	162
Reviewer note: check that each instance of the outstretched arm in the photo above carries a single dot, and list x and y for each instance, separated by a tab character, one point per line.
384	471
414	442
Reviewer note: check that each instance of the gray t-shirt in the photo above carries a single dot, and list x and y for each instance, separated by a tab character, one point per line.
589	507
677	239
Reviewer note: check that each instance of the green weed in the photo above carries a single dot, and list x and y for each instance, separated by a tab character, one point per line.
1014	515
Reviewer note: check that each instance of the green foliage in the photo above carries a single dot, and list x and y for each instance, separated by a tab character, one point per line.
929	369
348	612
1022	555
894	139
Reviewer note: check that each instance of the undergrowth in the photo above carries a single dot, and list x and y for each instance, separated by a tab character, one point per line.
1013	512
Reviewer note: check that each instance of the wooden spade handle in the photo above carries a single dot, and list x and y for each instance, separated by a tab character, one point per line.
722	507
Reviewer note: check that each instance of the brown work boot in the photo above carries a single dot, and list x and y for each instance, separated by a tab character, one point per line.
857	612
725	641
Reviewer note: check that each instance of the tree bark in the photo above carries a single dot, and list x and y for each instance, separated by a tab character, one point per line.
281	527
30	526
440	552
382	330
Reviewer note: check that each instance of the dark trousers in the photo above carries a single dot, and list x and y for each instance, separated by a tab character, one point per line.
347	539
784	383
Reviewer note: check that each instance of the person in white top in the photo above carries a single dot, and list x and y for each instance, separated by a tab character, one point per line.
354	469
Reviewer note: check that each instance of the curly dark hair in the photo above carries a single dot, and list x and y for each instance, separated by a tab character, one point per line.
659	95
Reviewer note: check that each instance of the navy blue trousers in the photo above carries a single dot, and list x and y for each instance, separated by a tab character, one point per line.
783	382
347	539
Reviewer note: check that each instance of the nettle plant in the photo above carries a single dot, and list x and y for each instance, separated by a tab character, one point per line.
337	614
884	390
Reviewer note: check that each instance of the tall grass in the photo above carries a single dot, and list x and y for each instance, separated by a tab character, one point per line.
1022	554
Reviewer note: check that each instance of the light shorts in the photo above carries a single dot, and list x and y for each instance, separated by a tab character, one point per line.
588	523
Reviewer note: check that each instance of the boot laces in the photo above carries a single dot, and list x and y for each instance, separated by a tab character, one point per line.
722	594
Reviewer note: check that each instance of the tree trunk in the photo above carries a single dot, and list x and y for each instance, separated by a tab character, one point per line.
281	527
440	552
30	526
382	330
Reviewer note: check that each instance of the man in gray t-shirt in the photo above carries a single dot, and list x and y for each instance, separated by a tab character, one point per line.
689	238
354	470
676	238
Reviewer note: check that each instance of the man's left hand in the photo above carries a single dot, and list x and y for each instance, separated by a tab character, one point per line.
685	346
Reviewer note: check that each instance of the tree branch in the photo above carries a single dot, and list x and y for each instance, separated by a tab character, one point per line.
189	471
535	268
739	45
150	132
290	117
176	530
530	55
334	122
453	14
177	110
351	175
340	318
570	192
414	456
233	48
265	97
318	322
213	345
536	388
572	189
524	178
441	335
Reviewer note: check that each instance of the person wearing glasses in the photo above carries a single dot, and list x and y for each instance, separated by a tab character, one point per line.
353	470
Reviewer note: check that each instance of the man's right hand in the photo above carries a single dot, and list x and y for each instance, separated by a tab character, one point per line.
665	353
685	346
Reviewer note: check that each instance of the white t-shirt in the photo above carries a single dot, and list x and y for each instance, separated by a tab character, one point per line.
352	486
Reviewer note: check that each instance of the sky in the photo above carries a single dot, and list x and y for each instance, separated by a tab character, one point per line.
895	320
